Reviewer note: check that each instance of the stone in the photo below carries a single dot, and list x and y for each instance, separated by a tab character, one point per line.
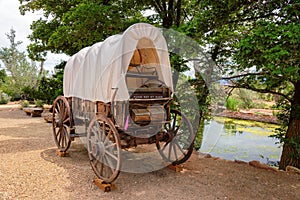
257	164
176	168
62	153
292	169
204	155
105	187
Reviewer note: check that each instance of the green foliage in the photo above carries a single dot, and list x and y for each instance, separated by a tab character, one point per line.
48	88
3	101
233	104
21	73
4	98
68	26
24	104
283	117
38	103
3	76
199	135
246	98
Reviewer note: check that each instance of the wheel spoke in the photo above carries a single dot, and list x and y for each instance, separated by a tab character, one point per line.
170	150
110	164
54	124
111	155
111	145
99	158
61	107
58	131
66	120
65	116
107	138
174	121
100	168
63	139
66	137
176	143
58	106
56	112
164	147
60	137
176	130
175	151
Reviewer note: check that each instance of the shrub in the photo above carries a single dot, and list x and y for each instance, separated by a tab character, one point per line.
3	101
39	103
233	104
25	104
4	98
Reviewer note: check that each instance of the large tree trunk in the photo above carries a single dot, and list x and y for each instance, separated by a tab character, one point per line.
291	148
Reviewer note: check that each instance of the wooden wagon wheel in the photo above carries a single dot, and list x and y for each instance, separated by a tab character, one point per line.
62	123
179	144
104	149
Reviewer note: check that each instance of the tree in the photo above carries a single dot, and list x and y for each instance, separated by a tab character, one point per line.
68	25
256	45
20	71
272	47
2	76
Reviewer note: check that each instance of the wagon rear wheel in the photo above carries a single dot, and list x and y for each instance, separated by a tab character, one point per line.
103	145
62	123
178	146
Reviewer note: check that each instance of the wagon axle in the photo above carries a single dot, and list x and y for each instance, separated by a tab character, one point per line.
98	150
59	123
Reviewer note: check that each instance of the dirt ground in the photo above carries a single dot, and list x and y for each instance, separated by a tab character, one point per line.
30	169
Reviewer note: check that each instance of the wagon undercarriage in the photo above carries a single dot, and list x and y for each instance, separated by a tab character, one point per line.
105	141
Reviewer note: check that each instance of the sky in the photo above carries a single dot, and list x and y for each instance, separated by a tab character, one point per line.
10	17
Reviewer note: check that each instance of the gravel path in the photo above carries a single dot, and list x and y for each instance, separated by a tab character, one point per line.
30	169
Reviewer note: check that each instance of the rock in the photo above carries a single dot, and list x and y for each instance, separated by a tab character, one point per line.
257	164
47	107
48	118
204	155
240	162
292	169
33	112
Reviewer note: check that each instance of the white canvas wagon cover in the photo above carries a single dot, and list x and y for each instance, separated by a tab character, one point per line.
96	72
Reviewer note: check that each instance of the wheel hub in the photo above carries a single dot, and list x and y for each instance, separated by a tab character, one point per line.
98	150
59	123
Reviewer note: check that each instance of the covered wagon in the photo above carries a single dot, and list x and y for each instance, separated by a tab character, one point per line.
118	94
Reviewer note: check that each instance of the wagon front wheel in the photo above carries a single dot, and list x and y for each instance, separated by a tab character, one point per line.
103	145
62	123
178	144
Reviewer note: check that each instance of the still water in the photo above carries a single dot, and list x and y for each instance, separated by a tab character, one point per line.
241	140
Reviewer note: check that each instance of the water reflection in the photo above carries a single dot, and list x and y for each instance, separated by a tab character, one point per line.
242	140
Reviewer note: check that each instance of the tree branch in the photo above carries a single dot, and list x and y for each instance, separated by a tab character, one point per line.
243	18
247	86
243	75
157	6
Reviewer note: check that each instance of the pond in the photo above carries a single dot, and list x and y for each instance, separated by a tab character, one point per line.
233	139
